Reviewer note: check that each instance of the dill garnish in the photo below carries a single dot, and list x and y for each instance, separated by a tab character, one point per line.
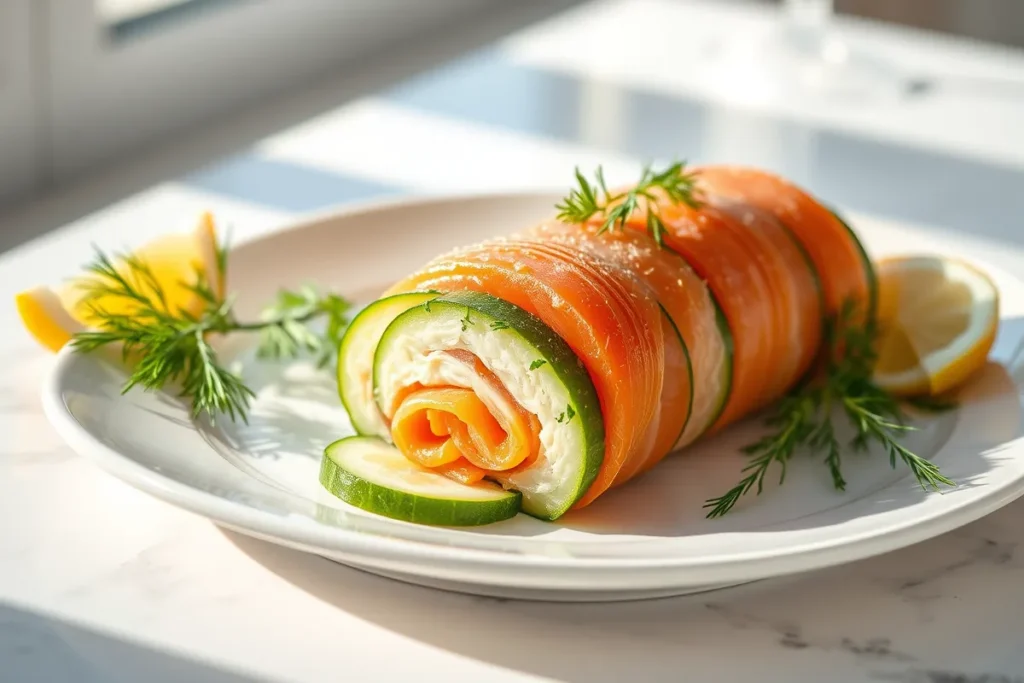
168	345
588	199
803	419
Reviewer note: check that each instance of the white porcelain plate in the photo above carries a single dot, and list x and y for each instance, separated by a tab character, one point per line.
646	539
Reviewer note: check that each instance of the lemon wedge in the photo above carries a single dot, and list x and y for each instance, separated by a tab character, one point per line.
52	315
937	320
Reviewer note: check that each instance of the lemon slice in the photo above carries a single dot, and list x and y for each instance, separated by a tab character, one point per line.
52	315
938	319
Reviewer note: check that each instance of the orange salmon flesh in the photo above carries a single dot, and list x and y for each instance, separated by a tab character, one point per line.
679	340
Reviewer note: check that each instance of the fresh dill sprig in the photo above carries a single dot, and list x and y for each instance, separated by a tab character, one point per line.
588	199
284	330
168	345
803	420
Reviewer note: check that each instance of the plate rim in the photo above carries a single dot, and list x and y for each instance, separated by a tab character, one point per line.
317	536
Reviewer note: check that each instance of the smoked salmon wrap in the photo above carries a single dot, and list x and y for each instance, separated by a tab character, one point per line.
565	360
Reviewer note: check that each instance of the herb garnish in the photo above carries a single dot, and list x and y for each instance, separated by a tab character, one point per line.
803	419
170	345
589	199
537	363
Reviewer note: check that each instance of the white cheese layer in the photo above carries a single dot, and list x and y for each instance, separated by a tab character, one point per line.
418	356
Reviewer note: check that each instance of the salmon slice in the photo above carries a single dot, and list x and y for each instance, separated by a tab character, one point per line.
438	425
603	313
420	430
450	428
462	471
695	361
843	267
800	306
640	298
778	280
726	258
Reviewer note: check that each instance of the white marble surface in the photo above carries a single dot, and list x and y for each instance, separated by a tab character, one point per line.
101	583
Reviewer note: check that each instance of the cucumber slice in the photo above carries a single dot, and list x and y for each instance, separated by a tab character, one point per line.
819	288
536	367
725	383
689	372
355	359
730	354
869	267
370	474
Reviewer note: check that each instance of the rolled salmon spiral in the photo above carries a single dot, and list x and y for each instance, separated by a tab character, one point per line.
587	355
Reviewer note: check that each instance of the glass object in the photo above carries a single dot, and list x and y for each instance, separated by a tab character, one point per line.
800	57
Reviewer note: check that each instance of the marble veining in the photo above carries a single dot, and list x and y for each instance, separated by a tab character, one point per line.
980	550
792	636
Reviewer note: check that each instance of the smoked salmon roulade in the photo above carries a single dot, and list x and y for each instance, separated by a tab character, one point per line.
843	264
537	371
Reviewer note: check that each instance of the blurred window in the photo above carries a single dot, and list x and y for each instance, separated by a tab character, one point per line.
19	158
83	82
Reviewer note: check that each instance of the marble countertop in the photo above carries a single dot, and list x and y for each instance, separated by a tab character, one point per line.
99	582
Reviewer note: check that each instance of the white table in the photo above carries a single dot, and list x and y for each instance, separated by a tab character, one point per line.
99	582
